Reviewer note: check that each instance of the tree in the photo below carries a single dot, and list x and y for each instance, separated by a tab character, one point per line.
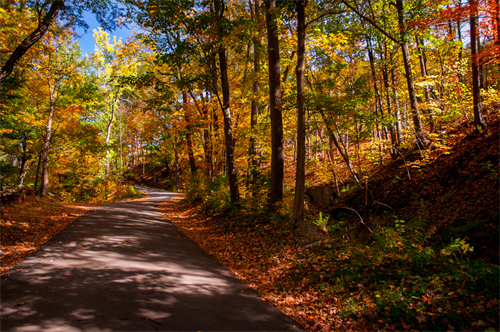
226	108
421	138
255	14
277	157
72	11
113	64
298	206
476	96
59	69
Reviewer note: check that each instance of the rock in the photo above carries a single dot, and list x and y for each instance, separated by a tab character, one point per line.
321	194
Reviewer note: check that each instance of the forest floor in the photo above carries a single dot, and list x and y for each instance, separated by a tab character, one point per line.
26	226
431	262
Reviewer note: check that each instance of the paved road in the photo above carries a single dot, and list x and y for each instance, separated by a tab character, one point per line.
124	267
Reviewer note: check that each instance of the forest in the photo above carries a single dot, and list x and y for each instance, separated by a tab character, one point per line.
339	156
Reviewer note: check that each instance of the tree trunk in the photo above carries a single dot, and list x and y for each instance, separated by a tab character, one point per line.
24	159
378	99
392	131
108	135
427	90
189	141
22	173
399	129
298	205
37	171
277	157
176	161
421	138
255	12
121	147
497	42
46	146
476	96
226	112
207	142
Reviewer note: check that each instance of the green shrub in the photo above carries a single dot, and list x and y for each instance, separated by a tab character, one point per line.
213	195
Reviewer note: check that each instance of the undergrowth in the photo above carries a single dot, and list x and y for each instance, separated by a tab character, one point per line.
425	257
388	281
94	190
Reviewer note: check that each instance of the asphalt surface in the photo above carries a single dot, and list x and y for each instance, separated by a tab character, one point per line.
124	267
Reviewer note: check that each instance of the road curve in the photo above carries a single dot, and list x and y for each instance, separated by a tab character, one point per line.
124	267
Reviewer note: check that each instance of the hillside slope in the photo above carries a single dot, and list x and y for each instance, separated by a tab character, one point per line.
450	192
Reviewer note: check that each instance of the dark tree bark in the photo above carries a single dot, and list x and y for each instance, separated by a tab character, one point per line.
378	108
207	143
167	169
255	13
37	171
277	157
226	112
189	141
392	129
497	42
31	39
298	205
476	96
176	164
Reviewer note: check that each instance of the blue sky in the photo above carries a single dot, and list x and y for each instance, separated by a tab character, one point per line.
87	40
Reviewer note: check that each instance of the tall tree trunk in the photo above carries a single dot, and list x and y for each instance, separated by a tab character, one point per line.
427	90
24	158
476	96
22	173
46	145
176	162
277	157
215	138
121	147
255	12
226	112
298	205
189	141
399	129
108	135
385	75
379	106
37	171
497	41
207	142
421	138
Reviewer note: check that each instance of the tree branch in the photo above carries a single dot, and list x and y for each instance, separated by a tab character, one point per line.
31	39
369	20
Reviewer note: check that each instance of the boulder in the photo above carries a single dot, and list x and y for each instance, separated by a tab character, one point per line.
321	194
